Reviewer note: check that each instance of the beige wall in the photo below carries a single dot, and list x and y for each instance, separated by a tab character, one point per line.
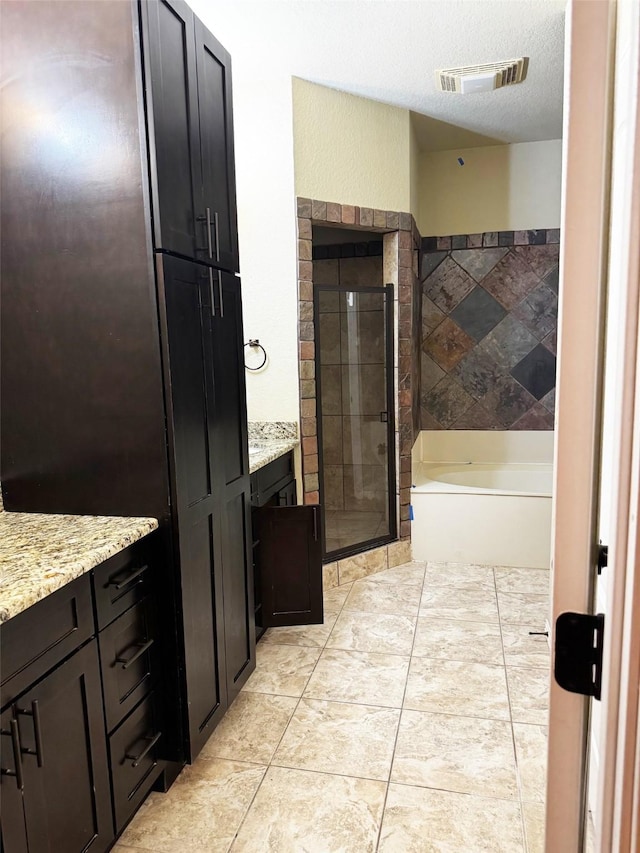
499	188
350	150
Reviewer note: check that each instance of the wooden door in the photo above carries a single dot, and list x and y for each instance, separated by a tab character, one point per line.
174	138
232	476
290	560
14	831
188	348
216	141
67	796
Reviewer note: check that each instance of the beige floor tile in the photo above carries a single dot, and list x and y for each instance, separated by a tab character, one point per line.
252	728
360	677
375	597
456	687
529	695
384	633
412	573
420	820
534	581
200	813
459	575
457	640
282	670
531	755
525	608
329	576
533	814
121	848
335	737
296	811
313	636
474	605
521	649
463	754
335	598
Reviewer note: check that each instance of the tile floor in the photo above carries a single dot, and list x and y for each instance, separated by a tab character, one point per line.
412	721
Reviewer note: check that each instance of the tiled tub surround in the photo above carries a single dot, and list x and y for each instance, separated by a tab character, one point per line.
39	553
412	721
401	242
489	325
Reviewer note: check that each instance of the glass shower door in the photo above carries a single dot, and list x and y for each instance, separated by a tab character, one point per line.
354	361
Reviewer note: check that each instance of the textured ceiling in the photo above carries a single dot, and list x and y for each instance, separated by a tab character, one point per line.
388	50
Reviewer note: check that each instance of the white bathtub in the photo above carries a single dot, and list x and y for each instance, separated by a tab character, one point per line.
494	512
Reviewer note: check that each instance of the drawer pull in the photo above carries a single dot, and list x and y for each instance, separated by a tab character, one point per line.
141	648
37	732
122	582
17	754
152	740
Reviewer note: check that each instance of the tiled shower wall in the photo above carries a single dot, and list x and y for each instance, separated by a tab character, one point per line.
355	477
489	324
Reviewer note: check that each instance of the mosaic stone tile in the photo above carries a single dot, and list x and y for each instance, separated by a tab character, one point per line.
432	316
478	313
552	280
490	238
538	311
459	241
553	235
448	344
477	417
448	401
505	238
512	279
508	400
478	264
521	238
551	341
508	343
474	241
477	373
448	285
430	260
541	259
536	372
431	374
537	238
536	418
549	401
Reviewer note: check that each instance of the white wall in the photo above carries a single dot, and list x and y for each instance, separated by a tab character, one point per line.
499	188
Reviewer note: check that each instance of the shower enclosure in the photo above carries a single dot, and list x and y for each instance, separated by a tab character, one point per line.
354	372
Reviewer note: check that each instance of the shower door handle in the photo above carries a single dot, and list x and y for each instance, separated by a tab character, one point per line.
384	417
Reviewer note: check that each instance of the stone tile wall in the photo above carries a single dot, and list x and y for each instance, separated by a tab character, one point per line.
489	325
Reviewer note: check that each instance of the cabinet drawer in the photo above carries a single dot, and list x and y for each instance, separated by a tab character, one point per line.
134	750
36	640
129	660
122	581
266	481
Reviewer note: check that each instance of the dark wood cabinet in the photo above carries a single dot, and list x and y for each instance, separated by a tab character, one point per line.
122	372
189	104
13	827
65	798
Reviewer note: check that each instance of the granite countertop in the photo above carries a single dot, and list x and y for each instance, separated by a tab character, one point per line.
39	553
264	451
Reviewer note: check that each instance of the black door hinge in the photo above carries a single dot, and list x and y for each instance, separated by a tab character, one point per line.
579	639
603	557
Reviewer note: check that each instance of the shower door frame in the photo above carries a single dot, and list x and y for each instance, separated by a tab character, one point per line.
387	291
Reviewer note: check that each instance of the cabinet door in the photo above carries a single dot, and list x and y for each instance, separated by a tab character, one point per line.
188	349
14	831
174	138
66	780
232	477
290	559
216	141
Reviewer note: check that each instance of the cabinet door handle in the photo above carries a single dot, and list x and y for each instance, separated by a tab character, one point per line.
217	233
208	219
221	294
34	713
315	523
152	740
133	574
141	648
212	293
17	754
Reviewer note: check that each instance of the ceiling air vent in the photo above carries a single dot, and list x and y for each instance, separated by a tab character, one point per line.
482	78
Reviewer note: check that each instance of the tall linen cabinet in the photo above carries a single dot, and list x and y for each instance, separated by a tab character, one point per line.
122	374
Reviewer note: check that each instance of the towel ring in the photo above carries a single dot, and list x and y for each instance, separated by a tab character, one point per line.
255	344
